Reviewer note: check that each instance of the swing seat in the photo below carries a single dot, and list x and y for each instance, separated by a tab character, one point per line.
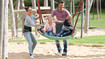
57	38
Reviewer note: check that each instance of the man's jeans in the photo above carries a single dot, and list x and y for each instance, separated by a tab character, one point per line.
58	29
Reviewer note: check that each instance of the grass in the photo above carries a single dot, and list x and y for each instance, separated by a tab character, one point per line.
88	39
94	22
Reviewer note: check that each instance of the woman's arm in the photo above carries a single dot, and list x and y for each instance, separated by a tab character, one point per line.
28	19
35	18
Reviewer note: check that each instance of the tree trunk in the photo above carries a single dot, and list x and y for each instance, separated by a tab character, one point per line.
73	11
5	30
93	8
82	21
17	17
52	5
13	28
45	3
65	3
23	15
1	25
71	7
98	9
22	4
87	17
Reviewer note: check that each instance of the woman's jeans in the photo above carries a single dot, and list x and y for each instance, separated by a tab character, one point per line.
58	29
31	41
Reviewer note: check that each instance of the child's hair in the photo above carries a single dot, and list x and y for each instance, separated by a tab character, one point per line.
68	17
49	18
26	8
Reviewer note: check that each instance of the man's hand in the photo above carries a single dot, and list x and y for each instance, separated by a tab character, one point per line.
56	21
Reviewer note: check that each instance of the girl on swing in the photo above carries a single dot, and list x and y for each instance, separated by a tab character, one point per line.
49	28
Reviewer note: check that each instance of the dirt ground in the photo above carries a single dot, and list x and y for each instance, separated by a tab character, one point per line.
48	50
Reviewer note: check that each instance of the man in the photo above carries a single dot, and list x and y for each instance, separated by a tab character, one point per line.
61	15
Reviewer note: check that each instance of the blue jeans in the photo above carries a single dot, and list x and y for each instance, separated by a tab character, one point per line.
59	46
31	41
63	33
49	33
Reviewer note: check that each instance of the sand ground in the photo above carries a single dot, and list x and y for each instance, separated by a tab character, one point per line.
48	50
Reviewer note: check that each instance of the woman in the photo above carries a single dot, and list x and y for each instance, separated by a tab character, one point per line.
27	31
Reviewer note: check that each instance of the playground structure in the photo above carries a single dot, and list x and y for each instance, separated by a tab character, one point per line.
14	20
20	4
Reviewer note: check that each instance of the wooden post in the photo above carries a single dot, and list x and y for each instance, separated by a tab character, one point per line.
23	15
45	3
1	26
73	11
17	17
5	30
97	9
13	28
82	20
71	7
34	7
52	5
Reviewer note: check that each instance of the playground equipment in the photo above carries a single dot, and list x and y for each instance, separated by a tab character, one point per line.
73	32
20	3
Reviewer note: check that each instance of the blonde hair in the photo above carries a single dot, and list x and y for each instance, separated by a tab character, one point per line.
49	18
68	17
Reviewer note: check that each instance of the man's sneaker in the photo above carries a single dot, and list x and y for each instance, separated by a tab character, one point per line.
64	54
58	54
32	55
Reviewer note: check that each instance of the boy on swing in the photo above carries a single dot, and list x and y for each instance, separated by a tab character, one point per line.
66	28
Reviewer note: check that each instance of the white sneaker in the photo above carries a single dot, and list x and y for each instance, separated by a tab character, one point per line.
32	56
58	53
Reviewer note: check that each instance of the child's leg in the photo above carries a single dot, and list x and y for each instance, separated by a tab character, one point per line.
51	33
46	33
65	33
61	32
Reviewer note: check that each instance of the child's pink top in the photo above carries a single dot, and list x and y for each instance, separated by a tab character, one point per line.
49	27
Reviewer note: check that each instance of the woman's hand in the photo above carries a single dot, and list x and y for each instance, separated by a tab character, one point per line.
38	25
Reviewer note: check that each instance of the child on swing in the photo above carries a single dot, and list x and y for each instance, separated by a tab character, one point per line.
66	28
49	28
